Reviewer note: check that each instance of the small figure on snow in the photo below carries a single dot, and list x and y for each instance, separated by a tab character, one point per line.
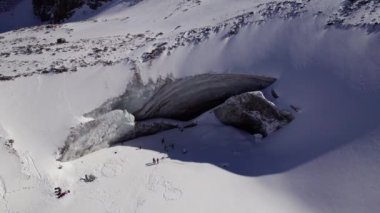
88	178
154	161
58	192
157	160
63	194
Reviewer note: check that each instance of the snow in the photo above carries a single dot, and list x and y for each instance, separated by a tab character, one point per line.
326	160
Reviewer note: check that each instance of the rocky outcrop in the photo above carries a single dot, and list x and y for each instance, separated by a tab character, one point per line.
253	113
56	11
187	98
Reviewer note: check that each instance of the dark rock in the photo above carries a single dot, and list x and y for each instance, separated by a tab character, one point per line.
61	41
6	78
253	113
274	94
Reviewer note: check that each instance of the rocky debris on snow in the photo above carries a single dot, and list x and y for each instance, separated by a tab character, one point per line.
284	9
104	51
159	48
187	98
252	112
266	11
357	13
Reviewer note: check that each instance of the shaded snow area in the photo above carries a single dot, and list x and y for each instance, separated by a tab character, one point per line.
125	68
16	14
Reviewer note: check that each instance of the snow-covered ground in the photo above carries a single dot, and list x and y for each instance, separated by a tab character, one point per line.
326	160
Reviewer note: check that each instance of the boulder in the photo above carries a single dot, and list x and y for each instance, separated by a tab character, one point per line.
253	113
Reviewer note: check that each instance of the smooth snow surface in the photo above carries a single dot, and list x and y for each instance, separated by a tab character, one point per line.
326	160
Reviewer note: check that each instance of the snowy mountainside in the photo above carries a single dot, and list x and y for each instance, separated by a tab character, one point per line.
36	51
323	53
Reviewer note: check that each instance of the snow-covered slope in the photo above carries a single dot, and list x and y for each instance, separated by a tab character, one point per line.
326	160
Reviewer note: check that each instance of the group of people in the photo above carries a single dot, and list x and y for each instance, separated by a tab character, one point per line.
156	160
59	193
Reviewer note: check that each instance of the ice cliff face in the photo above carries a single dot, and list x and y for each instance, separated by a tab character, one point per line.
187	98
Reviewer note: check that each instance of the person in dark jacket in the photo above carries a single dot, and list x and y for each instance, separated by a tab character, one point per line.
57	191
63	194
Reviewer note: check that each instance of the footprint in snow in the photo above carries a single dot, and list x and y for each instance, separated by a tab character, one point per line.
171	192
111	169
3	189
167	188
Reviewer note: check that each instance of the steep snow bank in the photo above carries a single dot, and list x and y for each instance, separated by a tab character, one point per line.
39	111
